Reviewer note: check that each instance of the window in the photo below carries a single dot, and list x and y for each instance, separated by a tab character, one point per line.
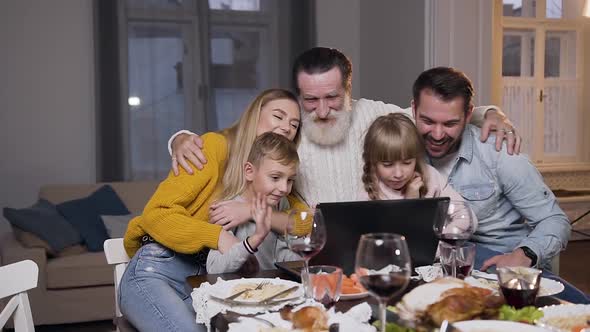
192	64
541	76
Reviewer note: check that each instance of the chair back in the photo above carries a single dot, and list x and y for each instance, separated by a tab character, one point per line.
116	255
15	280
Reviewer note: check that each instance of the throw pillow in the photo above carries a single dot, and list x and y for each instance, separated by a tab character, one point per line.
44	220
117	225
84	214
30	240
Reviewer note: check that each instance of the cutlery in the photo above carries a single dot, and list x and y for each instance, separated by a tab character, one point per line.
446	326
272	297
259	286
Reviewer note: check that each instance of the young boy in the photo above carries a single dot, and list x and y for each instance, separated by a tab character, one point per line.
269	175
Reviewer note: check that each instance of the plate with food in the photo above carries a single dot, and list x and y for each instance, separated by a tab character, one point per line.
352	288
251	291
495	326
565	317
547	287
451	299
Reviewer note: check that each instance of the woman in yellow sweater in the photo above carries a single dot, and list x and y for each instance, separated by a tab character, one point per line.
170	240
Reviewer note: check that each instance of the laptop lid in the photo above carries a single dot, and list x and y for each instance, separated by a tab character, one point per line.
347	221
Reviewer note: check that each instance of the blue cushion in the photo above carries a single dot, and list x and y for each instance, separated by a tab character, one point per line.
84	215
43	220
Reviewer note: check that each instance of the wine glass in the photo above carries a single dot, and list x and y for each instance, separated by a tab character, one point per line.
305	235
455	226
383	265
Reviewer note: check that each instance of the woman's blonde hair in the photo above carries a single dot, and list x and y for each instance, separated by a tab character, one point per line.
391	138
241	136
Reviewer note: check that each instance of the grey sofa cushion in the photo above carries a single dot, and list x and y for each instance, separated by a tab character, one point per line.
43	220
87	269
117	225
84	214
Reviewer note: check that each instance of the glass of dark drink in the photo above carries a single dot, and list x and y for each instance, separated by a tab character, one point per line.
463	255
384	267
305	235
325	283
519	285
454	226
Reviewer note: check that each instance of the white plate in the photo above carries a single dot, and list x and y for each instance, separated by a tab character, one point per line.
220	291
548	287
495	326
566	311
355	296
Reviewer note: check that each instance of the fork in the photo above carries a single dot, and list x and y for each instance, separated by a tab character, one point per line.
259	286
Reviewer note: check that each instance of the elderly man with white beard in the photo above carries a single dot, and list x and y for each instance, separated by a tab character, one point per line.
333	127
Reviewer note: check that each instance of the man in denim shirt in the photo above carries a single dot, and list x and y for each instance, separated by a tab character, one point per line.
518	214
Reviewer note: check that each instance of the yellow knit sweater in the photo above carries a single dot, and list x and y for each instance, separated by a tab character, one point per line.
177	214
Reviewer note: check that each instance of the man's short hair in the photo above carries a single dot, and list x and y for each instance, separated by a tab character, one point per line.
319	60
446	83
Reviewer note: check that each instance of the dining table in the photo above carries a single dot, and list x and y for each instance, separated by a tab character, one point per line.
220	322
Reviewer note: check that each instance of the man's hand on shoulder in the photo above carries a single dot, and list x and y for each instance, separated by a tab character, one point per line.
496	121
187	146
515	258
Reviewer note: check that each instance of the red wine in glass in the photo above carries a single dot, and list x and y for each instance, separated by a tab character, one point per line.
519	298
384	285
461	270
455	240
306	251
383	265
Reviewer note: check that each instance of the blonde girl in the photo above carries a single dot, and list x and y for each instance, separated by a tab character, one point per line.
395	164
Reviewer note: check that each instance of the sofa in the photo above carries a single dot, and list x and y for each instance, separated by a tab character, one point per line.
76	287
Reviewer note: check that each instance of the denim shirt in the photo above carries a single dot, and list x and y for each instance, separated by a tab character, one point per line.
512	203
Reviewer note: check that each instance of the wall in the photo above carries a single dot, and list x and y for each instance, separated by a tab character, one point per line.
338	26
459	34
392	49
46	97
384	39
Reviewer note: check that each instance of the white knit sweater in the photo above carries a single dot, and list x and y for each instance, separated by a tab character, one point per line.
333	173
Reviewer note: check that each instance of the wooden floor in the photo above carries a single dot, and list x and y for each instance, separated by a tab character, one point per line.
574	264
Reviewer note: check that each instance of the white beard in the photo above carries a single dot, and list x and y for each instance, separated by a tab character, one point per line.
328	134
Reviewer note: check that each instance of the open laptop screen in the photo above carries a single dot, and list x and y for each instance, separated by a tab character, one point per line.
347	221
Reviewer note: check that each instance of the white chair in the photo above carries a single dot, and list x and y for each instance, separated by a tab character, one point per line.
15	280
116	255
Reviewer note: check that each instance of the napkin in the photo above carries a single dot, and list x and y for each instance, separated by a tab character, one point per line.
429	273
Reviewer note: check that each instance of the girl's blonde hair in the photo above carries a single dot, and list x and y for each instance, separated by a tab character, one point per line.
391	138
241	136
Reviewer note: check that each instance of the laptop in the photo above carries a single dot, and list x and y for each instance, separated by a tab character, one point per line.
347	221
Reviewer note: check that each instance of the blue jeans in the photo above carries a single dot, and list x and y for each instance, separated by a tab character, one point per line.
154	294
570	292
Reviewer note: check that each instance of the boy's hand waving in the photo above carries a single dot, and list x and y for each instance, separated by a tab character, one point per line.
261	213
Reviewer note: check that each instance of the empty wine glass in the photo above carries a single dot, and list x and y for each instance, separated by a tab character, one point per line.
383	265
305	235
455	226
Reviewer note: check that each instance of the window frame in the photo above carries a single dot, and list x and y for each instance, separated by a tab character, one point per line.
540	25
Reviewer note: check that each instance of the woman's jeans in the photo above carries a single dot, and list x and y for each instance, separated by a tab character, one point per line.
154	294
